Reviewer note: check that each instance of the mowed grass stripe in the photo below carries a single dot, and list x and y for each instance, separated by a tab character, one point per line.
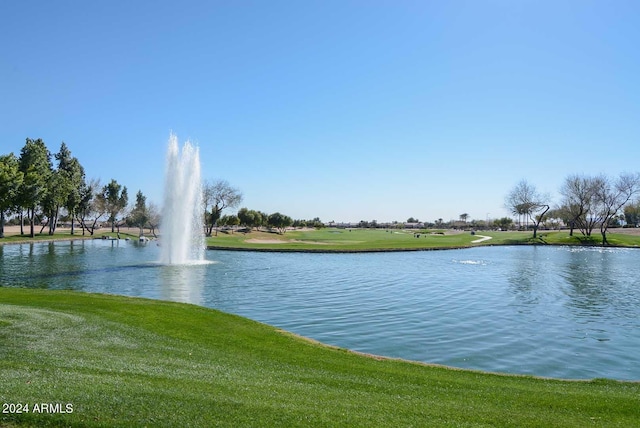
136	362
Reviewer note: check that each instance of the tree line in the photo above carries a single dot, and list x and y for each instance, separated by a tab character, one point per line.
42	188
220	195
588	203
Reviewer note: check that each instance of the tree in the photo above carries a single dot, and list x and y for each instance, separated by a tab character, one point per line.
632	214
280	222
250	218
611	196
140	213
229	220
10	182
261	219
464	217
154	218
35	165
524	199
219	195
62	187
92	206
246	217
116	199
55	197
74	178
503	223
578	203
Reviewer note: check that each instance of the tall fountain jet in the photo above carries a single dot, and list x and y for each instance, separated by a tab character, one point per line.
182	235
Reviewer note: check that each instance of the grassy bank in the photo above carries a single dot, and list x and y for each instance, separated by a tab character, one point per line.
330	239
132	362
382	240
16	238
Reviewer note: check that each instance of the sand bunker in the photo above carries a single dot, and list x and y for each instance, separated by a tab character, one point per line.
264	241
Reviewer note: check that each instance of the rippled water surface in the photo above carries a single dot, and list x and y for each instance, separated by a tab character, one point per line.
548	311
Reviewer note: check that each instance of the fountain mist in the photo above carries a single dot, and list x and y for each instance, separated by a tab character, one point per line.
181	229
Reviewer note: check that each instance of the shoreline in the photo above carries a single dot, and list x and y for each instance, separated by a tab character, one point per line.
332	250
396	250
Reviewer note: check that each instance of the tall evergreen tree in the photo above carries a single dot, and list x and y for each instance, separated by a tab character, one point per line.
35	165
74	178
140	214
10	182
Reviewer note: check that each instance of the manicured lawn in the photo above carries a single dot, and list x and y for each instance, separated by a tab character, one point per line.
379	240
331	239
61	236
340	240
133	362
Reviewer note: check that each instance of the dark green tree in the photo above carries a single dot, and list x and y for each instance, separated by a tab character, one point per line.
279	222
248	218
632	214
140	214
35	165
116	200
229	220
74	179
10	182
503	223
57	189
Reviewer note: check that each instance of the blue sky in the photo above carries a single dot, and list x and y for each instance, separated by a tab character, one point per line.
346	110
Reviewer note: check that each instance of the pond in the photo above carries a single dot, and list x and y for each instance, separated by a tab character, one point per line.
567	312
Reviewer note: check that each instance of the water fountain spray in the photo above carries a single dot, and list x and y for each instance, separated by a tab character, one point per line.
182	235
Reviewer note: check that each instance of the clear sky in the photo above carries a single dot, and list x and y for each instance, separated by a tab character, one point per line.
346	110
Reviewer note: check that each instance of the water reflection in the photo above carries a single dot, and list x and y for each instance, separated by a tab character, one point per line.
588	274
527	276
609	292
183	283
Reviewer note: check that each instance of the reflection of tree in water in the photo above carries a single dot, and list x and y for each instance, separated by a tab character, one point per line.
602	285
580	293
528	276
591	282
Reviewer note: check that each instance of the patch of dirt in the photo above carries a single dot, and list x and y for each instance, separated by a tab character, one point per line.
635	231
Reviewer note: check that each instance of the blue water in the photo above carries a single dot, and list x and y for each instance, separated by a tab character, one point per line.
547	311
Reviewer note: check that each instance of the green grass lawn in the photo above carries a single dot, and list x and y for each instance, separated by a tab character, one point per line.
124	362
340	240
61	236
330	239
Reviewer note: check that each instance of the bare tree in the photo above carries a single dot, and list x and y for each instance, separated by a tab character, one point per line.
92	206
579	202
524	199
154	218
218	195
611	196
